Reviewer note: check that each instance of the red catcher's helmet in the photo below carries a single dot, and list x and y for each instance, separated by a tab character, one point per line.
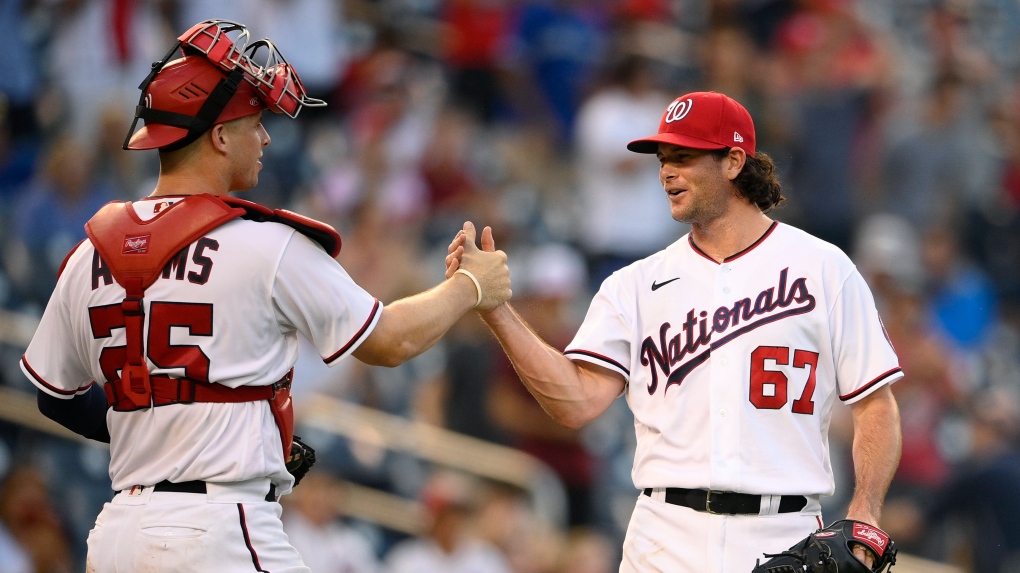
183	87
219	78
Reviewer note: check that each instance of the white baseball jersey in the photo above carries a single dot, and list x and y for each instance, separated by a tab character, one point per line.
733	367
226	310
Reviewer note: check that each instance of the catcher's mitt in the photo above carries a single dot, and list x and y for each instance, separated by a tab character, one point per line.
830	550
300	460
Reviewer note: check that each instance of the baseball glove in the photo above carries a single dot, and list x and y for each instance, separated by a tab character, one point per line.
300	460
830	550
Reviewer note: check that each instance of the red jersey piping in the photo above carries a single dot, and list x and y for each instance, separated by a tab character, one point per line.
601	357
772	227
61	391
364	327
864	388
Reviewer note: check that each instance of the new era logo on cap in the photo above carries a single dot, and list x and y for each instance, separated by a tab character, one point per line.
702	120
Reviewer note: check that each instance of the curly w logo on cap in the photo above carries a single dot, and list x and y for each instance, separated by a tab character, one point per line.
710	120
678	110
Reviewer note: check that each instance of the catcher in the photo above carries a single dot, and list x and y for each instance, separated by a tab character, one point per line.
172	331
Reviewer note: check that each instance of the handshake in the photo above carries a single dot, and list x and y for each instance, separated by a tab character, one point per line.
485	267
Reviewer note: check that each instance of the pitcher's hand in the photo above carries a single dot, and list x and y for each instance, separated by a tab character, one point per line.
487	265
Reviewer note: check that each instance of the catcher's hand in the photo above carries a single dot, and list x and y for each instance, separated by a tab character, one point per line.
300	460
830	550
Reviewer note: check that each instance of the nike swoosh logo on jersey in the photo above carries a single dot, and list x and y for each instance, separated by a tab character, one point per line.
657	286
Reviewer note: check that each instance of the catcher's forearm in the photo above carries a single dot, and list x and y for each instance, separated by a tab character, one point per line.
412	325
876	452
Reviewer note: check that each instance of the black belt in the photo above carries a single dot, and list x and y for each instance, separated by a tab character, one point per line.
727	502
197	486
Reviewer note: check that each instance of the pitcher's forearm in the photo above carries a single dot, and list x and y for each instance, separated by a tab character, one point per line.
572	395
876	453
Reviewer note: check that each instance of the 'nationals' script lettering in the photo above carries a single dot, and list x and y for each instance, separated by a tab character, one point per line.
771	304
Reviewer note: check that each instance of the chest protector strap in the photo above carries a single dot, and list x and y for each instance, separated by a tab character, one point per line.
136	252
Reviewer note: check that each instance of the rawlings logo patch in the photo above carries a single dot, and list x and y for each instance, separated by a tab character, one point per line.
870	536
826	534
136	245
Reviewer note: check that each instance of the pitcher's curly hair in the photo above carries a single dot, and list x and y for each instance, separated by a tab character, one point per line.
757	181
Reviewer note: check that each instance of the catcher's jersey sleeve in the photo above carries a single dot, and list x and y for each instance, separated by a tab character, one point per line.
315	296
54	360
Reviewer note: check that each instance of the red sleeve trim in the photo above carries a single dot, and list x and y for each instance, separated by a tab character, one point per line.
869	385
600	357
60	271
364	327
39	380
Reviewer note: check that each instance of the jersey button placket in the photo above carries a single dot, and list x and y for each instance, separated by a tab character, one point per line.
721	377
726	389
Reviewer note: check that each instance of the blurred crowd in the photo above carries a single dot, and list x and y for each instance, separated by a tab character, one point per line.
895	126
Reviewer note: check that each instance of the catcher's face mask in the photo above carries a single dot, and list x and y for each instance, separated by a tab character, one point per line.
222	76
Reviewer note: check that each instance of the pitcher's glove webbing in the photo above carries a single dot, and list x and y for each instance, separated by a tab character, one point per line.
300	460
830	550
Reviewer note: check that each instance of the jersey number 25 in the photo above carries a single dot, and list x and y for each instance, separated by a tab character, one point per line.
163	316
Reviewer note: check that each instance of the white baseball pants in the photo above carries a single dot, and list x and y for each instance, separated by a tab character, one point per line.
230	529
666	538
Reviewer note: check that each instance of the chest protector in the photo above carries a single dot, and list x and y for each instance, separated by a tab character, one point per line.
136	252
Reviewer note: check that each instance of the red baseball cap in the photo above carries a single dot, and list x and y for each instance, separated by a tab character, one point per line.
182	87
701	120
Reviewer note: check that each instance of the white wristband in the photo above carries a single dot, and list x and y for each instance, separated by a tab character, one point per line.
478	285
